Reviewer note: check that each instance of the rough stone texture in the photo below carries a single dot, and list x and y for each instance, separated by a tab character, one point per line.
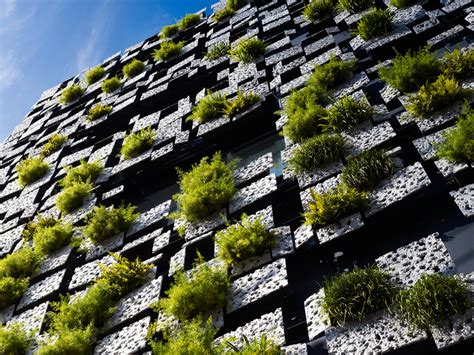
41	289
32	319
254	168
464	198
316	320
295	349
338	229
303	234
89	272
253	192
367	137
284	242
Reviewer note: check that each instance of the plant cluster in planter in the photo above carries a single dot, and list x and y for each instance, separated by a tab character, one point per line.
184	23
48	235
14	339
82	173
137	142
348	113
71	93
111	85
31	169
218	50
354	6
231	7
375	23
94	75
248	50
317	9
133	68
54	143
168	50
98	111
459	65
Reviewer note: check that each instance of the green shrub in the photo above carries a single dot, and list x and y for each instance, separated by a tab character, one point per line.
103	222
94	75
110	85
330	207
222	14
327	76
53	144
14	339
248	50
137	142
205	189
458	144
49	239
71	93
168	50
459	65
235	4
31	169
75	341
432	300
11	289
315	152
351	296
98	111
375	23
188	21
209	107
73	196
133	68
408	72
192	294
243	240
317	9
82	173
367	170
348	113
218	50
402	3
169	31
240	103
435	96
42	223
20	264
260	346
354	6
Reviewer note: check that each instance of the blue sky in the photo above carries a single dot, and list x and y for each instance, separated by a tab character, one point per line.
44	42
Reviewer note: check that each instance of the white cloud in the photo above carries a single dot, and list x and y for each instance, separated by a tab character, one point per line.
7	7
9	70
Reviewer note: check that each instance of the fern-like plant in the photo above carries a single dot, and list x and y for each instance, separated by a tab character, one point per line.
31	169
354	6
137	142
71	93
375	23
240	103
98	111
335	72
168	50
209	107
459	64
54	143
317	9
82	173
189	21
169	31
73	196
218	50
248	50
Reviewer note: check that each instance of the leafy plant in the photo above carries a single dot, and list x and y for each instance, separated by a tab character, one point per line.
402	3
33	226
432	300
31	169
73	196
258	346
168	50
317	9
20	264
408	72
243	240
110	85
133	68
354	6
94	75
209	107
11	289
458	144
202	289
367	170
316	152
330	207
98	111
218	50
71	93
375	23
75	341
348	113
205	189
459	65
248	50
53	144
222	14
103	222
49	239
169	31
435	96
235	4
82	173
327	76
240	103
188	21
137	142
14	339
351	296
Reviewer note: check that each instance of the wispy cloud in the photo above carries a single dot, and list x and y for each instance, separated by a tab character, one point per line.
9	70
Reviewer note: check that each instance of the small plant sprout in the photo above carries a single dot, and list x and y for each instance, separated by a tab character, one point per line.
54	143
137	142
348	113
168	50
376	23
189	21
71	93
30	170
133	68
218	50
169	31
354	6
240	103
248	50
335	72
459	64
317	9
98	111
111	85
209	107
73	196
94	75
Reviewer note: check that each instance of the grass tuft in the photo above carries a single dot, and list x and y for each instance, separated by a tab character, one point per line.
375	23
208	108
348	113
47	240
137	142
248	50
98	111
402	3
189	21
240	103
71	93
335	72
168	50
218	50
94	75
317	9
73	196
82	173
111	85
54	143
169	31
354	6
133	68
30	170
14	339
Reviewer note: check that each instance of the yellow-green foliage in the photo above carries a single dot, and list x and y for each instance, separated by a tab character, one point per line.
188	21
317	9
48	235
401	3
218	50
262	345
205	189
248	50
110	85
169	31
168	50
209	107
330	207
231	7
31	169
82	173
54	143
104	222
137	142
459	65
14	339
133	68
98	111
348	113
32	226
73	196
376	22
243	240
94	75
327	76
71	93
240	103
76	341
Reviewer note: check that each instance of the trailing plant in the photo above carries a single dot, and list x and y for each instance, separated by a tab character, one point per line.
54	143
31	169
98	111
248	50
94	75
14	339
103	222
243	240
82	173
432	300
133	68
315	152
240	103
168	50
327	76
317	9
205	189
218	50
375	23
435	96
330	207
348	113
459	65
351	296
111	85
189	21
137	142
71	93
209	107
402	3
169	31
354	6
408	72
73	196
